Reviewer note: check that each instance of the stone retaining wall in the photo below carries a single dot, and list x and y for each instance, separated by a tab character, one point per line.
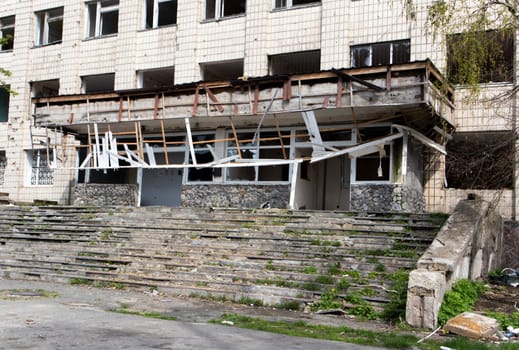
386	197
235	196
469	245
105	194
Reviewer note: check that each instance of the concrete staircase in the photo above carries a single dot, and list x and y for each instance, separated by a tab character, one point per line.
273	256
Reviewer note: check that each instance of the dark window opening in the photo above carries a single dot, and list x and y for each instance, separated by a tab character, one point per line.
160	13
373	167
482	160
45	88
98	83
480	57
215	9
156	78
295	62
377	54
4	103
7	33
228	70
203	156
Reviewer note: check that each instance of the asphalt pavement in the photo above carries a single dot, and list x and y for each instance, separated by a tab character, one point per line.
80	318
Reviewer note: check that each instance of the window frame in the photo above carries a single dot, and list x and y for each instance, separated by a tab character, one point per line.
156	14
100	12
370	47
10	45
37	171
289	4
43	19
219	10
354	163
198	148
255	149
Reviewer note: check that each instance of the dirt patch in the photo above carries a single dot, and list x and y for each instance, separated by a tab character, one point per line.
498	299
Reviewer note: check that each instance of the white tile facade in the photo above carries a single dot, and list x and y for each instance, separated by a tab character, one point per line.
330	26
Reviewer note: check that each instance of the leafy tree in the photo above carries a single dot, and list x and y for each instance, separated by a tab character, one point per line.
479	39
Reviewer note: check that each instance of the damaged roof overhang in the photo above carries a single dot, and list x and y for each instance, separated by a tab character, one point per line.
379	98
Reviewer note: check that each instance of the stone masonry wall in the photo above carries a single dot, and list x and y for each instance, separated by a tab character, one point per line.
235	196
386	197
105	194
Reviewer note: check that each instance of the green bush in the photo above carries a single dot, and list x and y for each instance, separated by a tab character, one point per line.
460	298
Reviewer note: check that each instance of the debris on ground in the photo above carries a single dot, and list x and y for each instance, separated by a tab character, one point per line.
508	277
473	326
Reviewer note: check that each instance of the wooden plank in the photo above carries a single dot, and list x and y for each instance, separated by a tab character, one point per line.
120	115
156	107
195	102
236	140
164	141
338	102
280	135
213	99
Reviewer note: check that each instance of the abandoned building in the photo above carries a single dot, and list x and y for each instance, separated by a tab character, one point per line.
304	104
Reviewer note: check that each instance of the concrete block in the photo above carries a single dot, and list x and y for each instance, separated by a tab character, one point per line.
472	325
424	295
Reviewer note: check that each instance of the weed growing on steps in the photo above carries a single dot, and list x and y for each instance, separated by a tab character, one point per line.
250	301
105	235
394	311
80	281
310	270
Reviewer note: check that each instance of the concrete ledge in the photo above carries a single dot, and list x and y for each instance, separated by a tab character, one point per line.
467	246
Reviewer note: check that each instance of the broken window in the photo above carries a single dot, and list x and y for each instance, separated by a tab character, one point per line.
7	33
158	13
3	164
98	83
280	4
40	171
156	78
377	54
102	18
203	156
49	26
480	160
45	88
215	9
295	62
4	103
264	146
491	53
227	70
376	165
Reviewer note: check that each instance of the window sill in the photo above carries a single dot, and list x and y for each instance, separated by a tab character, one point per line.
159	27
212	20
45	45
100	37
6	51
